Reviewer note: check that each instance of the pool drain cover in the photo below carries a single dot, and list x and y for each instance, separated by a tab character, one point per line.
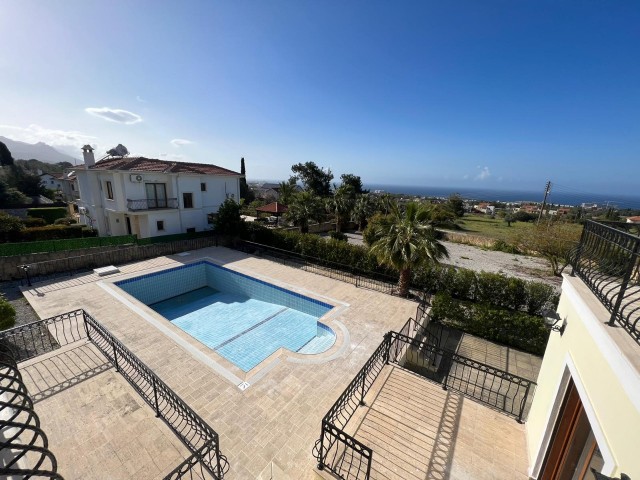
243	386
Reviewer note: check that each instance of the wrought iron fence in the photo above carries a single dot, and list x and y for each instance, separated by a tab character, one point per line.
33	339
348	458
607	260
151	204
509	393
337	271
24	445
337	451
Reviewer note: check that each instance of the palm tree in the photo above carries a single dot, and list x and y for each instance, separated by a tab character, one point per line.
363	208
304	207
286	191
340	206
406	239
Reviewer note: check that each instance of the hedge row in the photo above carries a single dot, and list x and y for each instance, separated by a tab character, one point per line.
492	288
53	232
516	329
49	215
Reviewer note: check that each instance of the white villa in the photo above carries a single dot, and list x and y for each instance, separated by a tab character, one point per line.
149	197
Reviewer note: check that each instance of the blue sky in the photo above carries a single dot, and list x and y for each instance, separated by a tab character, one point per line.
496	94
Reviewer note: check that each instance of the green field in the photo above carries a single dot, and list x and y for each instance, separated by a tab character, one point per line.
497	228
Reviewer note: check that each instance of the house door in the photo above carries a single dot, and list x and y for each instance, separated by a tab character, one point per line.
573	450
128	221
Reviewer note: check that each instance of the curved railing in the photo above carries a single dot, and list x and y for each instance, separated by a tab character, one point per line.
607	260
24	447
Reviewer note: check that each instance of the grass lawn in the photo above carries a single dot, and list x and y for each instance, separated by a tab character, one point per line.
497	228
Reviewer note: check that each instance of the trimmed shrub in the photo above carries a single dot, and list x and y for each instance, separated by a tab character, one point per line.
33	222
49	215
7	314
65	221
56	232
10	227
515	329
338	236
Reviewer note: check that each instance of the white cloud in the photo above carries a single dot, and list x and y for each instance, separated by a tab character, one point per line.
35	133
115	115
484	173
179	142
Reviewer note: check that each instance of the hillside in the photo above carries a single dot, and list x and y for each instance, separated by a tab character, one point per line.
40	151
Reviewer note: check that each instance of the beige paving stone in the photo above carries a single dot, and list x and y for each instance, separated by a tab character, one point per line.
278	417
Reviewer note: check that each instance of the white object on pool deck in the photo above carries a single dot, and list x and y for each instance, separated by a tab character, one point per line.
102	271
183	254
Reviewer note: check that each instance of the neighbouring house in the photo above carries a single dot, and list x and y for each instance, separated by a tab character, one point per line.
273	211
485	208
271	191
149	197
529	208
633	219
52	181
64	184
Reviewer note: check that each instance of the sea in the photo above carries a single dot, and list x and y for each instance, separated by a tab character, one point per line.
559	196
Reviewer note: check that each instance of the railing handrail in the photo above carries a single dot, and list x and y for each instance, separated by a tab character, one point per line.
151	203
607	260
78	325
319	261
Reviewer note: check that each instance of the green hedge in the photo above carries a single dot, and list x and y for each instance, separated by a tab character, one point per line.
174	238
55	232
7	314
49	215
8	249
515	329
482	287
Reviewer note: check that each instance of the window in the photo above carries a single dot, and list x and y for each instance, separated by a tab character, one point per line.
191	230
109	190
187	200
156	195
160	225
203	187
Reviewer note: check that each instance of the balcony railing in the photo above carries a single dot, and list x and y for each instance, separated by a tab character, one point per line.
151	204
607	260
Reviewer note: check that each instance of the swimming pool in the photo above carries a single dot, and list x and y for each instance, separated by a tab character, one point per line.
243	319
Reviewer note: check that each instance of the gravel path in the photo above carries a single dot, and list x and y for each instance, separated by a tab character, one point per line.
24	312
474	258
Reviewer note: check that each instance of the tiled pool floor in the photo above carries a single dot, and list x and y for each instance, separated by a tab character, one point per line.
243	330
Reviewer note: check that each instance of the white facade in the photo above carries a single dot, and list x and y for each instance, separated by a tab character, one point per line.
149	204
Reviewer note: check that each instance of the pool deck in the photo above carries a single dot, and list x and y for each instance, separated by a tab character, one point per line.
277	419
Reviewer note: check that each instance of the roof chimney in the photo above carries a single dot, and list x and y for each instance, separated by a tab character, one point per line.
87	153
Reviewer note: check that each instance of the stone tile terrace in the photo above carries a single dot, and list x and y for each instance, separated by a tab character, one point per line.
277	419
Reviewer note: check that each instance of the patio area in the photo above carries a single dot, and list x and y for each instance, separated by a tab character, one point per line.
273	424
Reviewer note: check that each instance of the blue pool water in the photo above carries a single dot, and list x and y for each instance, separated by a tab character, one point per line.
243	319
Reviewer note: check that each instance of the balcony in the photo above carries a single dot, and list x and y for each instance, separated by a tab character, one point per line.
151	204
607	260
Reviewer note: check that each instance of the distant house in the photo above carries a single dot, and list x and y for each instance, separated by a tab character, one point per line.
271	191
633	219
149	197
485	208
64	184
530	208
52	181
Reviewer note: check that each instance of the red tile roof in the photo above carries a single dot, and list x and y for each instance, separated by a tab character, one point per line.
142	164
274	207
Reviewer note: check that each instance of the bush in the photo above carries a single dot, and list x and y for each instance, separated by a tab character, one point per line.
50	215
10	227
56	232
515	329
7	314
33	222
228	221
339	236
502	246
65	221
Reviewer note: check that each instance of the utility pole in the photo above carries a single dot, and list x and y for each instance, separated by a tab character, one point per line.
547	189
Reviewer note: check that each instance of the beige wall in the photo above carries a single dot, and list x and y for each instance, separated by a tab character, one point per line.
603	362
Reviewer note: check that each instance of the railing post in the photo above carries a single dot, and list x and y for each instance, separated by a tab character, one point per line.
524	404
625	283
321	448
369	462
115	356
155	396
387	347
362	392
448	365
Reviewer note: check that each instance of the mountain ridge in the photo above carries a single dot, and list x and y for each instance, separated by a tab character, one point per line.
40	151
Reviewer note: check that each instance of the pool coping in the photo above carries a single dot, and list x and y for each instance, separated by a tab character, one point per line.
214	360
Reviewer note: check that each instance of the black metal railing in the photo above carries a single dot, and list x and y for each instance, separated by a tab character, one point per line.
151	204
24	445
348	458
504	391
607	260
33	339
336	450
337	271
